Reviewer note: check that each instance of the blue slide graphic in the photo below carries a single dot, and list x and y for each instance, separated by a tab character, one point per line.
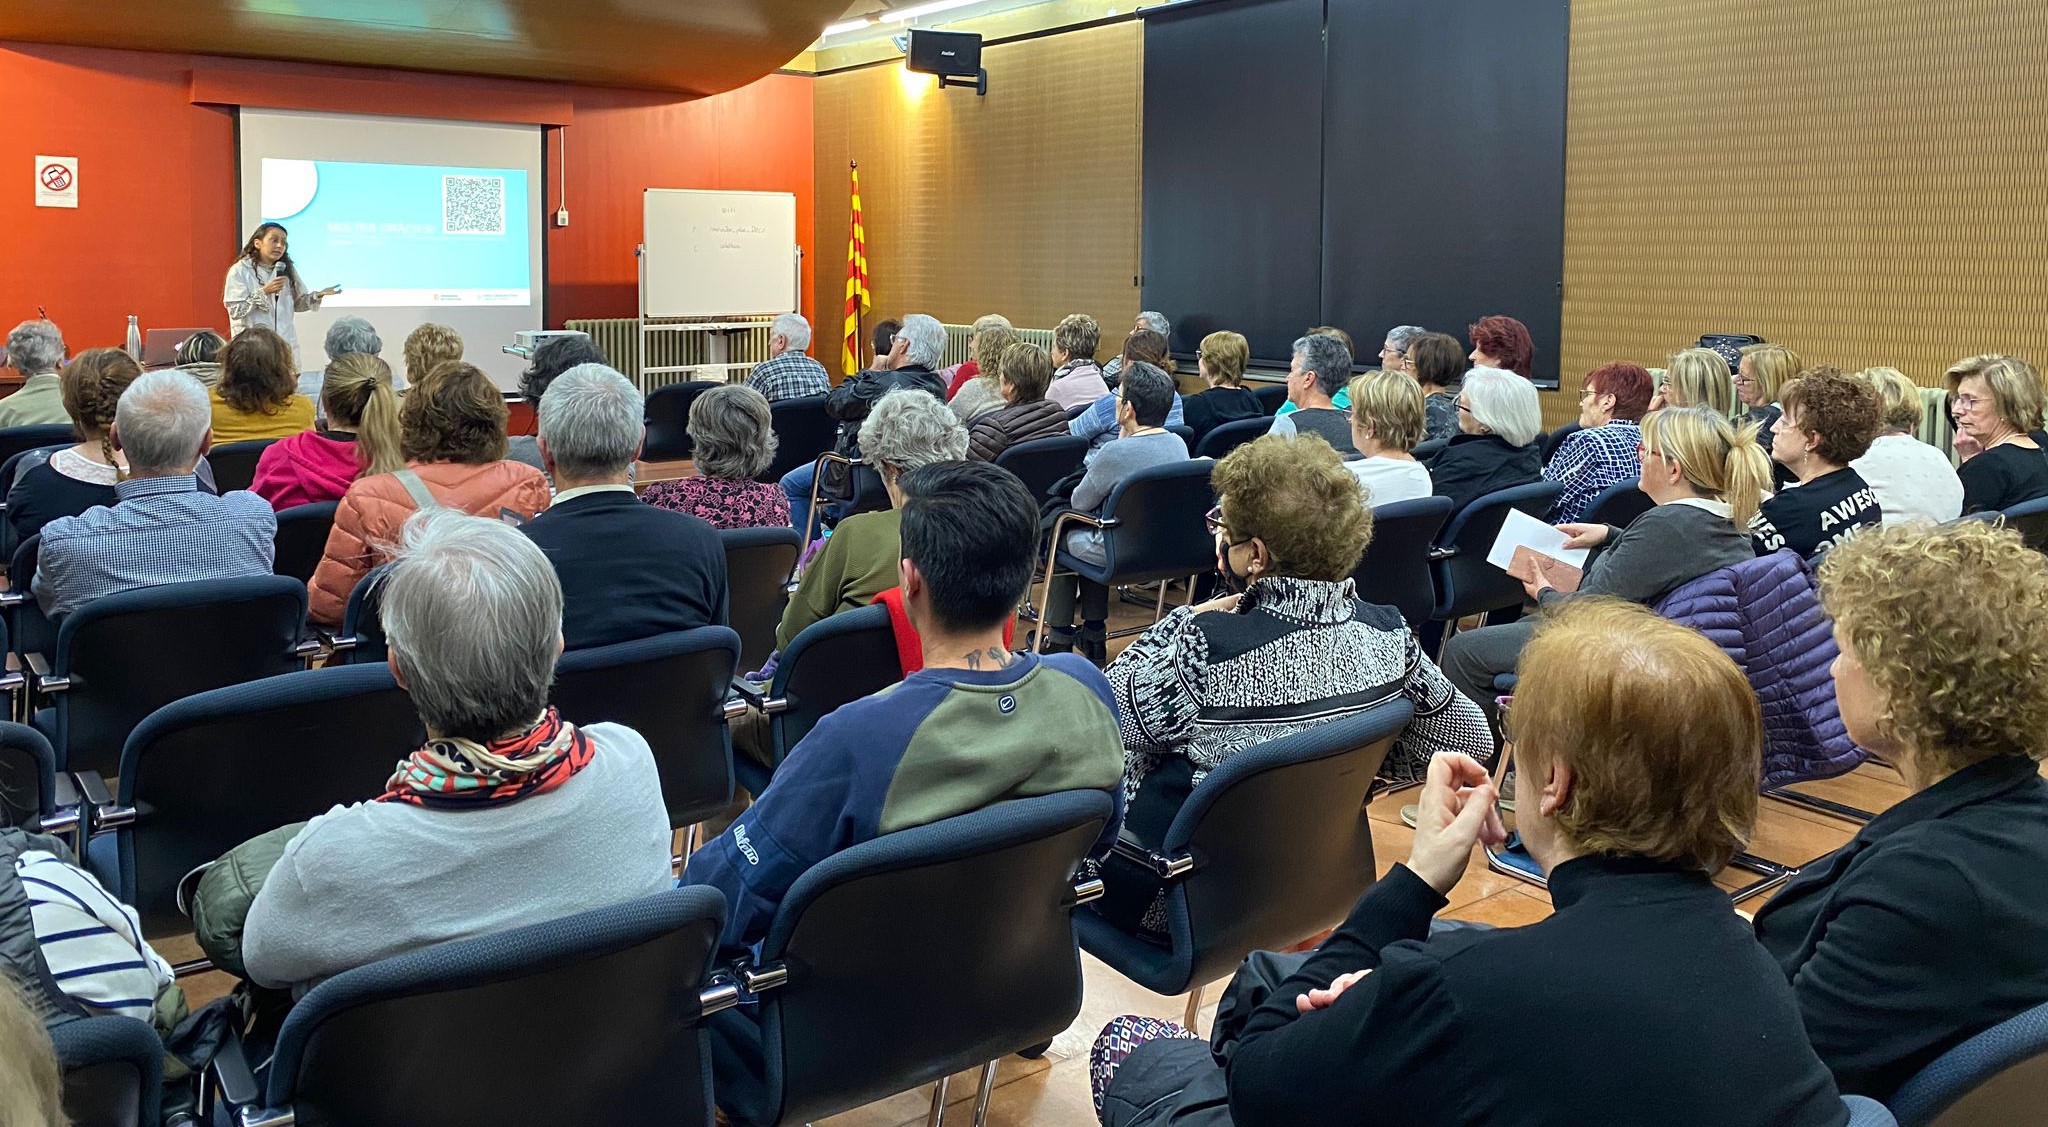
405	234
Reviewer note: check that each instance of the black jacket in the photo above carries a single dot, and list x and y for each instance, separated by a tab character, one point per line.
1207	410
630	570
1472	465
1929	927
1643	1000
999	430
850	403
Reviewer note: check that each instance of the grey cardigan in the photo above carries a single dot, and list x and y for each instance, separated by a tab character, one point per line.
1664	548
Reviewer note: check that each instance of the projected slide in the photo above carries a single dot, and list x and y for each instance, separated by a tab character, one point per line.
404	234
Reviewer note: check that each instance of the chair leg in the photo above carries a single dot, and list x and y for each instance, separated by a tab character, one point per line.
987	1092
1194	1008
1159	608
938	1103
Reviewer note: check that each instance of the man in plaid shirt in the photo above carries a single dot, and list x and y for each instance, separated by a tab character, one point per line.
788	373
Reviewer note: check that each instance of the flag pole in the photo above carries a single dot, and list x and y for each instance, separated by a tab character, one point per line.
860	329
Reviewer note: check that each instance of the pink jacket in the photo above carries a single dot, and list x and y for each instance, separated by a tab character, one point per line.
305	468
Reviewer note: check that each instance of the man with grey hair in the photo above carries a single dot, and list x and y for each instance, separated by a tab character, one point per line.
913	358
789	372
508	815
1321	369
36	350
1148	321
162	528
628	570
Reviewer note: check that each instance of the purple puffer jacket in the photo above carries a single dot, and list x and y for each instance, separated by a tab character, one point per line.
1766	614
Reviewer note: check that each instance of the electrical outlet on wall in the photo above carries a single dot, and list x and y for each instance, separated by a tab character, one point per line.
562	217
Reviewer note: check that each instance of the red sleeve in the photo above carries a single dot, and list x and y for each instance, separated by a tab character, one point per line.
967	372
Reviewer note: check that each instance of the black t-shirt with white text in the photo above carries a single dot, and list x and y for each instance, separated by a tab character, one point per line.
1820	514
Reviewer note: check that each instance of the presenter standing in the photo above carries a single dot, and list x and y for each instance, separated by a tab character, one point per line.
263	288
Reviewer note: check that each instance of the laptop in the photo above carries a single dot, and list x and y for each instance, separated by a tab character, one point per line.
160	346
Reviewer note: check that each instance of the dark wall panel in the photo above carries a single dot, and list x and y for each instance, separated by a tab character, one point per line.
1233	186
1443	171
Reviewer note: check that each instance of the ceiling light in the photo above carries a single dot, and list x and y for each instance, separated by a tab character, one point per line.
849	25
918	11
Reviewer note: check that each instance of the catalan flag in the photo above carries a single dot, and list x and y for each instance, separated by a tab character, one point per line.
857	299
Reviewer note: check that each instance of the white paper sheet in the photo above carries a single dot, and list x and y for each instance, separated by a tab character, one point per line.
1522	530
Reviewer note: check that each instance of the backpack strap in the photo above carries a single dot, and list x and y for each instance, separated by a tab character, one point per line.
422	497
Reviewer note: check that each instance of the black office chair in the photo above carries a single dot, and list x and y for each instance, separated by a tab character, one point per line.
1270	849
869	494
121	657
202	775
1077	410
1424	451
1152	530
113	1071
29	783
668	420
361	641
758	564
1985	1079
909	957
606	1003
302	538
234	464
1618	505
2030	520
802	432
29	630
1553	440
671	689
1225	437
1186	433
1394	568
1465	583
843	658
1042	461
1269	395
16	440
9	470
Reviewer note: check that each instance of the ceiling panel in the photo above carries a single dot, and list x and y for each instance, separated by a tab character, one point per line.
692	46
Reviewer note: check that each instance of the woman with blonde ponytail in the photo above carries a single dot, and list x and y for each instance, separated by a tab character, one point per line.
1706	476
361	437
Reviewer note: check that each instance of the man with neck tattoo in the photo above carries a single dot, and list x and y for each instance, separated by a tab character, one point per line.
978	725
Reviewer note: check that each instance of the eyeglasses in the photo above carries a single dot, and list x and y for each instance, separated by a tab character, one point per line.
1213	521
1643	451
1464	408
1967	402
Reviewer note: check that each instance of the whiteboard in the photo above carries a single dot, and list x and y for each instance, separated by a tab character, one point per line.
717	254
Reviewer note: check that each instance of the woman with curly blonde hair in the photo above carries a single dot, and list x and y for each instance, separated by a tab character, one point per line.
1932	924
982	391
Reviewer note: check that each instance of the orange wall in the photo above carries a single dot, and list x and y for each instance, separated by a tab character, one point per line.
155	227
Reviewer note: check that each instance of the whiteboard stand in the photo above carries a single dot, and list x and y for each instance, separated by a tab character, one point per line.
718	348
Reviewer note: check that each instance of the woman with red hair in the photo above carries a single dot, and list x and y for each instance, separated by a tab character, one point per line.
1502	342
1602	452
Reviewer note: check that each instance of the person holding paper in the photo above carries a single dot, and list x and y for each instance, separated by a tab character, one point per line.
1706	476
263	287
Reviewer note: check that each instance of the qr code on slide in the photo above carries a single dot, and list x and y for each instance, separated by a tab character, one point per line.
472	205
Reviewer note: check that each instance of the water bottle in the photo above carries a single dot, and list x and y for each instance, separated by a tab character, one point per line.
135	338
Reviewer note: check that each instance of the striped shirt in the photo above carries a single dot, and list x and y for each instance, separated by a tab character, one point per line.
92	942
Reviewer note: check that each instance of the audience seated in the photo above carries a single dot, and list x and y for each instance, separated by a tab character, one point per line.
1147	322
1386	422
257	396
554	356
1394	349
789	372
1099	424
1142	399
1437	361
31	1084
1295	649
1602	452
627	570
163	528
971	388
1221	363
1341	398
1997	403
977	726
1911	480
452	434
1076	381
508	816
732	439
66	482
884	343
1696	377
199	356
907	430
1495	448
1641	1000
1705	476
94	959
1760	379
35	349
1023	372
1321	368
427	348
361	437
911	358
352	334
1502	342
1929	926
1825	421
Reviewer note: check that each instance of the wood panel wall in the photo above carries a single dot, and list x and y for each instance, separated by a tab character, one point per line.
1024	203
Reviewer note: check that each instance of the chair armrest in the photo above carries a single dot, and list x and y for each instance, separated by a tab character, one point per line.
1436	554
335	641
754	695
761	979
11	599
309	647
11	679
1088	890
45	683
1167	868
99	808
720	993
230	1076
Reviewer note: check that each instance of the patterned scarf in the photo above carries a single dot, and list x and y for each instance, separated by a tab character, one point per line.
459	773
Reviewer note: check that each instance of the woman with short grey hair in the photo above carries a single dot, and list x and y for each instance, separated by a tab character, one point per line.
1395	348
508	815
733	436
36	350
352	334
1499	421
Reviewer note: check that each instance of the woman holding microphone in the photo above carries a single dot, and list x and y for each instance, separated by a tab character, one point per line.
263	288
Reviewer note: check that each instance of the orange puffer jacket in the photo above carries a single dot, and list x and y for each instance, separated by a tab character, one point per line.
375	508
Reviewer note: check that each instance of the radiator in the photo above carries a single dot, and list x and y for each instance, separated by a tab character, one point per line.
619	339
958	335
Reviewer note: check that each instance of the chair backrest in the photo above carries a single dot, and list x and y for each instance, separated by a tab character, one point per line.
301	538
29	630
1269	395
671	689
1186	433
359	620
132	652
28	775
1424	451
9	468
1042	461
1619	505
1553	440
604	1004
234	464
802	432
1984	1080
843	658
1394	569
668	420
1159	532
1465	582
978	908
218	768
1280	840
1076	410
1225	437
17	440
758	564
2030	520
113	1071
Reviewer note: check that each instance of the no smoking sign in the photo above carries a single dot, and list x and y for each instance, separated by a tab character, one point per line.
56	181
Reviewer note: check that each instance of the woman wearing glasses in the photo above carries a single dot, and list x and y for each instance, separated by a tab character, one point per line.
1997	401
1499	421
